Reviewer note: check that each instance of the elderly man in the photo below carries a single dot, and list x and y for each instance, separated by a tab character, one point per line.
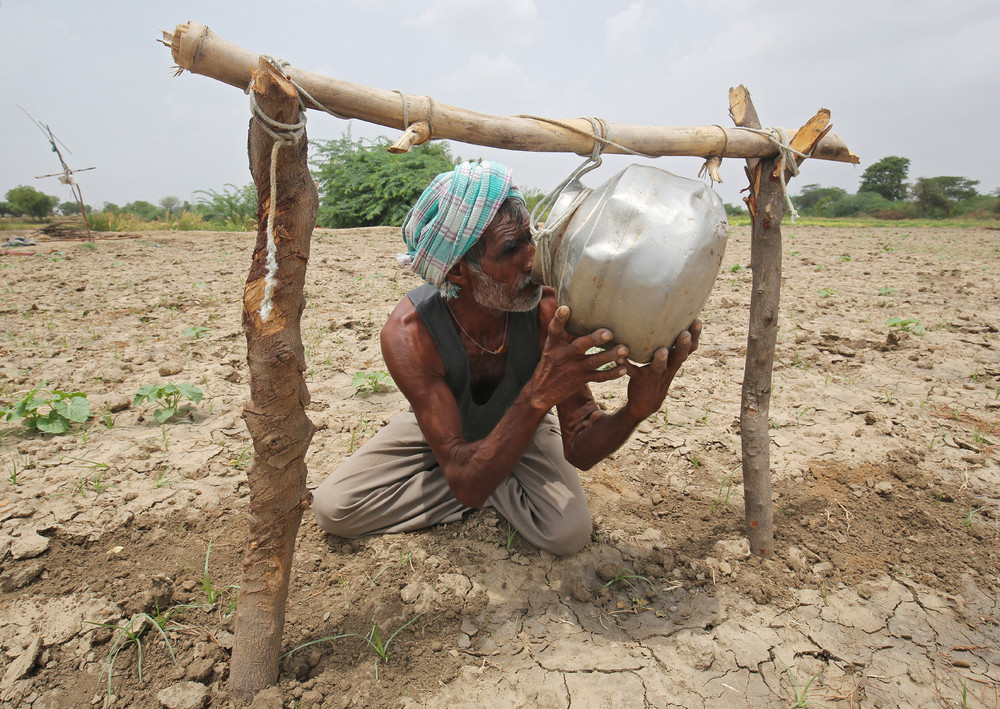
481	354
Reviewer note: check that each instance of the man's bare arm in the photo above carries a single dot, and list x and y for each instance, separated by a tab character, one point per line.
475	469
590	435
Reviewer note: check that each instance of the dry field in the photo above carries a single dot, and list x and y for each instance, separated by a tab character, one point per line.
885	431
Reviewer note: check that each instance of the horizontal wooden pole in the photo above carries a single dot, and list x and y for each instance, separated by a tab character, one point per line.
197	49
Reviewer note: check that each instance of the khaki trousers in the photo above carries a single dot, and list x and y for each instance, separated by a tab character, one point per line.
393	483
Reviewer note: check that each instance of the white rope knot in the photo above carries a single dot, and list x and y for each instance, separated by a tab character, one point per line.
786	160
281	134
541	235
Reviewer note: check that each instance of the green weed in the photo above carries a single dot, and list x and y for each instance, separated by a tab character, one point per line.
367	383
64	408
131	633
801	699
167	398
195	332
886	291
626	576
907	325
511	535
727	483
163	481
243	458
18	464
211	591
826	292
373	640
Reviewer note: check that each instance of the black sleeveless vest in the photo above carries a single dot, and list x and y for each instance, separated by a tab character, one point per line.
522	357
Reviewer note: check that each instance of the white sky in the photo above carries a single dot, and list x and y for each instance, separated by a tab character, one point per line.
915	78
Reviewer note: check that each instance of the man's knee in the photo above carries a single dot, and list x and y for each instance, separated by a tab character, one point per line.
569	535
332	515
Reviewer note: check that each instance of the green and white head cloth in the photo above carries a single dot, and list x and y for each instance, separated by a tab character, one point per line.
449	218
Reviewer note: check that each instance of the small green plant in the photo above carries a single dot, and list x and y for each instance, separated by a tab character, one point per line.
845	257
887	398
626	576
373	639
826	292
366	383
195	332
211	591
130	633
800	694
364	426
62	409
727	483
243	458
89	245
511	535
18	463
167	398
967	521
907	325
886	291
107	419
162	480
736	268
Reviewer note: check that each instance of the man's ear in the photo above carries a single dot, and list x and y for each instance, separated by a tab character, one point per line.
459	274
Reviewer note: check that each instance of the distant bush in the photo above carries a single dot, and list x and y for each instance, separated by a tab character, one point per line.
861	203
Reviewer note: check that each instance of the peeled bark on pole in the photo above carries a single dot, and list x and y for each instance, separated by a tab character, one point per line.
197	49
766	202
275	414
767	206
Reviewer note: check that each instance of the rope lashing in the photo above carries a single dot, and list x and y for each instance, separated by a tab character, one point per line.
406	107
406	110
602	139
281	134
786	160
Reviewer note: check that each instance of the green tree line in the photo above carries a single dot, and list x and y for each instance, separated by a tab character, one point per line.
361	184
884	193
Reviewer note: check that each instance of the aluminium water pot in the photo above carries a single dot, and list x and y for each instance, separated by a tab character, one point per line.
639	255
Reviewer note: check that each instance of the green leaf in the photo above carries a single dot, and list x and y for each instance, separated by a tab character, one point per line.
35	400
190	391
164	415
52	422
76	408
147	392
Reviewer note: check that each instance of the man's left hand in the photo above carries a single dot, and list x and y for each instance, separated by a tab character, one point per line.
648	384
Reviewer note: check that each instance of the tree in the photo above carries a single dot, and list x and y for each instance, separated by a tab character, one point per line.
142	209
4	209
816	200
887	177
29	201
170	205
361	184
236	206
938	196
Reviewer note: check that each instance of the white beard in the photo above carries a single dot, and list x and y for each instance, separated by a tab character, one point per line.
491	294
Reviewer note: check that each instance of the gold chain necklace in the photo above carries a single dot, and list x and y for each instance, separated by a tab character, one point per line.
499	349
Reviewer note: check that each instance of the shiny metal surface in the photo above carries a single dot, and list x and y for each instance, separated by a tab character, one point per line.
639	256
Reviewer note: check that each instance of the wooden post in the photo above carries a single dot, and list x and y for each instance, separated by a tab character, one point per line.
766	202
275	414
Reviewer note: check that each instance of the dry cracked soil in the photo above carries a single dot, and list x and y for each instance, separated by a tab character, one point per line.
885	425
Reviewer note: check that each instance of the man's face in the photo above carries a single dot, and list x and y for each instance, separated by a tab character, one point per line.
503	279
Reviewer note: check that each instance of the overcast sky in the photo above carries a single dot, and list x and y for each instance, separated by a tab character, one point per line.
915	78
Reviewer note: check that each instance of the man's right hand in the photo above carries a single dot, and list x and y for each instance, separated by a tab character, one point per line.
565	366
